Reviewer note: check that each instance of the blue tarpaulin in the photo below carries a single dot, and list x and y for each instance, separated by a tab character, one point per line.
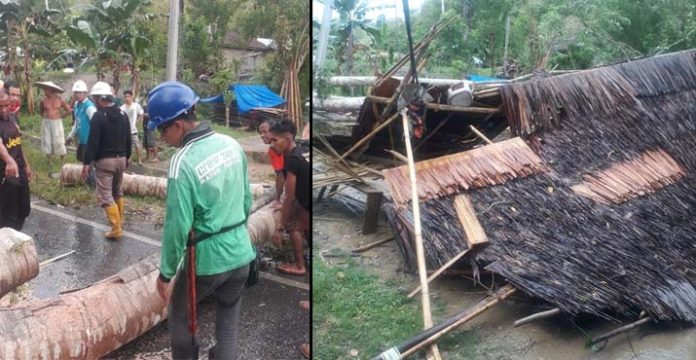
215	99
480	78
250	97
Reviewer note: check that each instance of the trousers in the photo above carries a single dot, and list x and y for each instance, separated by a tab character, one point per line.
228	288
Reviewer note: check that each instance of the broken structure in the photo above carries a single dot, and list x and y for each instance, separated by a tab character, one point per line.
604	224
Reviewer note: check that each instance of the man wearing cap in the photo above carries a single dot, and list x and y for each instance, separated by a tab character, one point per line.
83	110
208	202
52	133
15	171
109	146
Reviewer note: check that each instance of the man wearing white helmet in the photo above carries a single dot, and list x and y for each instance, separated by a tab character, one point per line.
83	110
109	146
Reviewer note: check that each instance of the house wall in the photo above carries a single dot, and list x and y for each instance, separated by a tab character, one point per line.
249	60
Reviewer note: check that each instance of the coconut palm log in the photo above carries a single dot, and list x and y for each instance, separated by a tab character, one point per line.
133	184
93	321
18	260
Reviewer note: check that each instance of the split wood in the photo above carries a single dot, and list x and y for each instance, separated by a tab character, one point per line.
373	244
480	307
537	316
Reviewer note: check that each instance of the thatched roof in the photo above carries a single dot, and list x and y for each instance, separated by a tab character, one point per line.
573	250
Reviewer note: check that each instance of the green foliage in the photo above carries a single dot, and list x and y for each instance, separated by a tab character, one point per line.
560	34
196	45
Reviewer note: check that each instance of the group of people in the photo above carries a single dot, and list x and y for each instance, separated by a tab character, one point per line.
201	230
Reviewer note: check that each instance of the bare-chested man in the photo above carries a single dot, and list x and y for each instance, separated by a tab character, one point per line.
53	109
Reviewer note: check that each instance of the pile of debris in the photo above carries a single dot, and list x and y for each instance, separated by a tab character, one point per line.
605	225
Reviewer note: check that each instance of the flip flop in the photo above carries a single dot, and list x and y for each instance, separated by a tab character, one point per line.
305	350
290	269
304	304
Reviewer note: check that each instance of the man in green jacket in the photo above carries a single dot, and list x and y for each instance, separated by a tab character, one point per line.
208	194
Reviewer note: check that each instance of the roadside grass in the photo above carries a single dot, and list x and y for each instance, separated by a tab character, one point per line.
357	316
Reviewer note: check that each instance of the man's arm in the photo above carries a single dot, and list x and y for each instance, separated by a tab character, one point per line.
66	107
11	169
177	223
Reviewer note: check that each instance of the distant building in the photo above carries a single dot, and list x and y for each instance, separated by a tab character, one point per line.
250	54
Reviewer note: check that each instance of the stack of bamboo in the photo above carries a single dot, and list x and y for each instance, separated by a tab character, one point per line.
621	182
490	165
291	85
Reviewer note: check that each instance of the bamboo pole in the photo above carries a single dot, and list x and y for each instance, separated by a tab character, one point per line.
537	316
480	135
619	330
420	253
369	136
486	304
440	270
434	106
372	244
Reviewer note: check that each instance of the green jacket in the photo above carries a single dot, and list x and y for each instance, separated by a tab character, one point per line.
207	189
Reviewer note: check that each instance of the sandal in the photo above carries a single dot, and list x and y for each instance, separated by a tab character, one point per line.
305	350
290	269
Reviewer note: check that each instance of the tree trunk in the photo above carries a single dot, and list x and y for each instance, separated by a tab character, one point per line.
339	103
26	44
135	80
18	260
91	322
139	185
370	81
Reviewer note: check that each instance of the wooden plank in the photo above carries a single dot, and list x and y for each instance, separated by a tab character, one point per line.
475	235
374	200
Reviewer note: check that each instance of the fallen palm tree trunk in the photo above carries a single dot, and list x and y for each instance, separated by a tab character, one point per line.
18	260
91	322
134	184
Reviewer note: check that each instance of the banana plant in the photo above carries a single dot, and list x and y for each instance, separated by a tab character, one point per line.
108	32
22	20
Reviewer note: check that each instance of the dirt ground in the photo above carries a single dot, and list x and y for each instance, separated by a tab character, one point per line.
337	231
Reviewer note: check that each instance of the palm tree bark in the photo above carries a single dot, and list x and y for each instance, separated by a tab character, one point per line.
18	260
91	322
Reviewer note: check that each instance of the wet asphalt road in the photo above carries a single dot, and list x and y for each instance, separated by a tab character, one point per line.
272	325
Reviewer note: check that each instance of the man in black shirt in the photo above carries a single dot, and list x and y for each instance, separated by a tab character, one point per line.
15	171
297	196
109	146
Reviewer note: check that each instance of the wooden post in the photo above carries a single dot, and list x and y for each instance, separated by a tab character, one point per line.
420	253
374	200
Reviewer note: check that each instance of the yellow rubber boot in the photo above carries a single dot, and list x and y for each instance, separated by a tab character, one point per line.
115	220
121	208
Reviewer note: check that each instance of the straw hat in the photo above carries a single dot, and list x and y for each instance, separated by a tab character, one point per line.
49	85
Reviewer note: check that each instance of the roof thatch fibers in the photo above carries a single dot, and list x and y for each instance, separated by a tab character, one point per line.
636	251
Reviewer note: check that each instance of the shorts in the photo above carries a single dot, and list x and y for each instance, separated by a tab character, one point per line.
149	139
136	141
53	137
299	219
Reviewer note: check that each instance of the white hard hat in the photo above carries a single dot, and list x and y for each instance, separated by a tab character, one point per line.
101	89
79	86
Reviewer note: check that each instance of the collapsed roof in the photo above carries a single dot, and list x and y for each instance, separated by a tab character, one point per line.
604	225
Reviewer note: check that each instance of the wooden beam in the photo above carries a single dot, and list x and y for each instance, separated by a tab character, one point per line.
475	235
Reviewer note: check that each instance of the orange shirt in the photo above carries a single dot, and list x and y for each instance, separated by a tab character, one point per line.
277	160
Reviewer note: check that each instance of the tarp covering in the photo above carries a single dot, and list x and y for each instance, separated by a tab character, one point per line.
480	78
214	100
255	96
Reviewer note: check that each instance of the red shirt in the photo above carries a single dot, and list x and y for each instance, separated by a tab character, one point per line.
276	160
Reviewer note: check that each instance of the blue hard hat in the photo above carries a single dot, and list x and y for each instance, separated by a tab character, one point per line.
167	101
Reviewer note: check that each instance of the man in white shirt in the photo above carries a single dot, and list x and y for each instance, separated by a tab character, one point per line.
135	114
